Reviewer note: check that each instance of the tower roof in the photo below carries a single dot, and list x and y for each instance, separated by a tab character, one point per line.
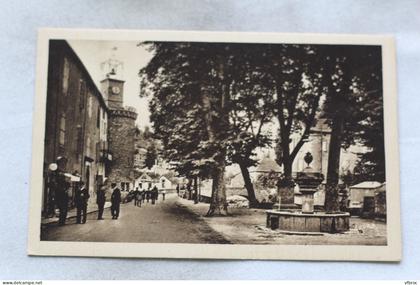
268	165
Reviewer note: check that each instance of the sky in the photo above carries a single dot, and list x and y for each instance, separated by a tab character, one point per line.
93	53
133	58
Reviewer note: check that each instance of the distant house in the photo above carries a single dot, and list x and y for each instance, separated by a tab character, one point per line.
265	166
361	199
164	183
150	180
144	181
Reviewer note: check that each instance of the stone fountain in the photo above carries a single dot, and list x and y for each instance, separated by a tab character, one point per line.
306	219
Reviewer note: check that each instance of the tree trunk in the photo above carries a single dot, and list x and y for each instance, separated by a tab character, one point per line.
218	204
287	168
189	188
195	190
249	186
331	192
285	150
286	192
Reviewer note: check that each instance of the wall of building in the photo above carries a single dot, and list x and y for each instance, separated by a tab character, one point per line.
121	133
94	139
358	194
318	145
73	128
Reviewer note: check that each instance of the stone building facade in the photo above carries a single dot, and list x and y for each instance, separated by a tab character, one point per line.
86	125
318	144
121	134
76	125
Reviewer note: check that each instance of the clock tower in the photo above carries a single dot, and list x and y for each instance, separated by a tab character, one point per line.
113	90
113	85
121	125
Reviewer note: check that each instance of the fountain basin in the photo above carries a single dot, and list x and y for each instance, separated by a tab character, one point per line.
308	222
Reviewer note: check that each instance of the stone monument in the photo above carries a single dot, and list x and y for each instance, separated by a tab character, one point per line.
306	219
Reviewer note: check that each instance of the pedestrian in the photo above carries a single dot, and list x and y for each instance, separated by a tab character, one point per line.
177	190
163	194
61	190
138	197
115	201
135	196
189	190
148	192
100	200
143	195
81	199
195	196
154	194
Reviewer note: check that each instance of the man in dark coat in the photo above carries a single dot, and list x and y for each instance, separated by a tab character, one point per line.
61	190
148	193
100	200
143	195
115	201
154	194
81	199
136	197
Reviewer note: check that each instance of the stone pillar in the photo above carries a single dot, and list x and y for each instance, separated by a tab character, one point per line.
308	181
286	195
308	202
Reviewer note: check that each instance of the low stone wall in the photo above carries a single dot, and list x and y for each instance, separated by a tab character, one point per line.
300	222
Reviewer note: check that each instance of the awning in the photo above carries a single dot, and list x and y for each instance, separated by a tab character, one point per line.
73	178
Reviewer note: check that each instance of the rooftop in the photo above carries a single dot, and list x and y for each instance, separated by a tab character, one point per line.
268	165
367	185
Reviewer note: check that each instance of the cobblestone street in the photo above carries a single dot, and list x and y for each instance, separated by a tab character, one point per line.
166	221
178	220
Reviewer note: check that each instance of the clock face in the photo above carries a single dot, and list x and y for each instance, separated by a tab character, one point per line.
116	90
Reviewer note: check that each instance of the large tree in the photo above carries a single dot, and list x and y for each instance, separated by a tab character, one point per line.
252	110
208	109
295	76
189	89
355	75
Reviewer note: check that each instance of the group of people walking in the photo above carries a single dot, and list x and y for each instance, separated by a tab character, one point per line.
60	187
82	197
152	194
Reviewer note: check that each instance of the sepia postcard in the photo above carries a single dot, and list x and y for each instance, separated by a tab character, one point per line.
215	145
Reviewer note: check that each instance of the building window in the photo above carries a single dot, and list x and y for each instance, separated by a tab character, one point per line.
79	139
122	186
324	146
66	75
98	118
62	134
82	92
90	105
87	147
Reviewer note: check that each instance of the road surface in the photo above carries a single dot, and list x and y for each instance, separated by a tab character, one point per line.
165	222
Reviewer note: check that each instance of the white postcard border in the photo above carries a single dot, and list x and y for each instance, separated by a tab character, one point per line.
391	252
